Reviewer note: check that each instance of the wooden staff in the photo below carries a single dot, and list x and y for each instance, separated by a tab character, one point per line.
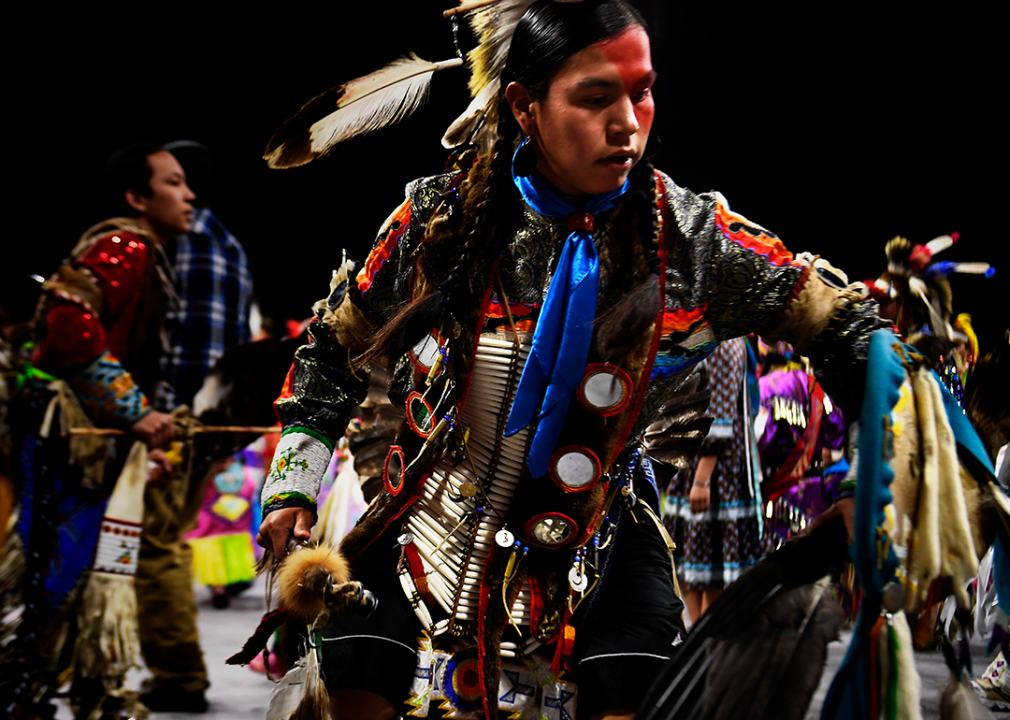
197	429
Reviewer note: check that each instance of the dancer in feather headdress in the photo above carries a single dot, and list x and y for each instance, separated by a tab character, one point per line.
538	305
915	293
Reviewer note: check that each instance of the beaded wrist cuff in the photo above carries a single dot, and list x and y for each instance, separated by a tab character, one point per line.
299	464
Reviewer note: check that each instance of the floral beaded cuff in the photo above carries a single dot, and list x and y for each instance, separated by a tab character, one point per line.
108	393
297	470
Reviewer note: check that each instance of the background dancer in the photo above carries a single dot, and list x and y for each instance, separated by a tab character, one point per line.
713	506
214	290
98	330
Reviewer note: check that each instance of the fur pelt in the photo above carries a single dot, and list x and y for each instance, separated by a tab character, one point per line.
958	700
909	684
306	575
814	301
337	312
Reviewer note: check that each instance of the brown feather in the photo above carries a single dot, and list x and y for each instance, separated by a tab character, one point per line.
360	106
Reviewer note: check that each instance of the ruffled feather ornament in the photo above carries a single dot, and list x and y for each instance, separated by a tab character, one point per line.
493	24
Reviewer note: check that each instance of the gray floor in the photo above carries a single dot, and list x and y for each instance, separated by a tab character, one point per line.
237	693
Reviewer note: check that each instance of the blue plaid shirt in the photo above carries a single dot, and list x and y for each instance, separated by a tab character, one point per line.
215	293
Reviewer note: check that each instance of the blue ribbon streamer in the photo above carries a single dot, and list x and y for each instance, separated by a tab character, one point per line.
557	360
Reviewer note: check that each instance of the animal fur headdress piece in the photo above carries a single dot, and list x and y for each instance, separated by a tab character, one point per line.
917	287
396	91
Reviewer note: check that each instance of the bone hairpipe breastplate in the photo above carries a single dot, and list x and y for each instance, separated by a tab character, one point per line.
455	520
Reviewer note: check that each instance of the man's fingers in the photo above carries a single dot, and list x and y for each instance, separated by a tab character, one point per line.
280	525
279	537
303	526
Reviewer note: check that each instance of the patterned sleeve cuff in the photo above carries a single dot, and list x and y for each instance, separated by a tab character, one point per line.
108	393
722	429
297	470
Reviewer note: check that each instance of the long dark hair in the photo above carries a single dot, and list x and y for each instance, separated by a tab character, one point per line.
546	36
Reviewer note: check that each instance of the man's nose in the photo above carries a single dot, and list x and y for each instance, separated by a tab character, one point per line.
624	121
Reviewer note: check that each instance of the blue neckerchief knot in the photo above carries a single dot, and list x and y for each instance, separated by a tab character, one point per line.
557	360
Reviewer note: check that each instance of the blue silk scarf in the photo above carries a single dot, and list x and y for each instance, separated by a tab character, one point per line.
557	360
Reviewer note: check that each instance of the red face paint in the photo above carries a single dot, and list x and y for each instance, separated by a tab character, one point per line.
594	124
631	53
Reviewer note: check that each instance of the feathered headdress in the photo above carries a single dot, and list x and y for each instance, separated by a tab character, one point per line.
917	290
493	24
396	91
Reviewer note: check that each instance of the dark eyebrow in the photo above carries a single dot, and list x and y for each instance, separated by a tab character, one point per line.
595	82
590	83
648	79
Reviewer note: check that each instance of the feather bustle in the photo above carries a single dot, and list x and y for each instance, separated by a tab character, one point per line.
774	623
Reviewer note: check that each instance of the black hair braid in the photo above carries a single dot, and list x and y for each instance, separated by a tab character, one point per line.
475	249
620	327
648	215
468	278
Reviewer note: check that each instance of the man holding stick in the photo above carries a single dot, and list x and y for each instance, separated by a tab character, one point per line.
96	364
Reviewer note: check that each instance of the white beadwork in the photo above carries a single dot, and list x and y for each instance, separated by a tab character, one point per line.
299	464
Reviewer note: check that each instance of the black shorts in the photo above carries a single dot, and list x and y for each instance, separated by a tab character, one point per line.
624	635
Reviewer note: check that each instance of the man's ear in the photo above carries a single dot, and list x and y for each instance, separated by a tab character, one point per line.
520	102
135	201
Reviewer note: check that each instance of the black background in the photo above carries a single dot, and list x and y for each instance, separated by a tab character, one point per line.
836	126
